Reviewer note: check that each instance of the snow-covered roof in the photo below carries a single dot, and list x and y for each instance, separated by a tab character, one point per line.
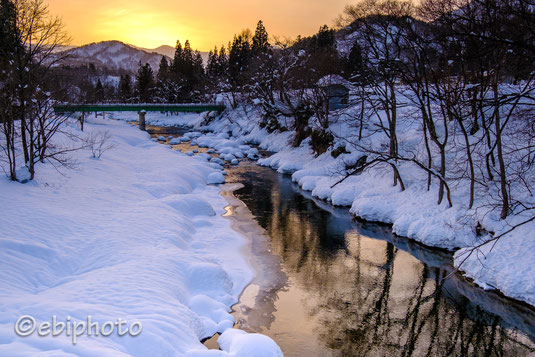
333	79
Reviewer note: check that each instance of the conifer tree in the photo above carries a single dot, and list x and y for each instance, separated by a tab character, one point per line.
260	39
145	82
99	92
354	60
125	88
187	58
323	41
222	62
240	55
163	71
178	59
198	65
8	39
211	65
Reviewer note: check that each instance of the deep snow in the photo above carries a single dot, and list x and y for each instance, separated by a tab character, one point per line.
138	235
413	213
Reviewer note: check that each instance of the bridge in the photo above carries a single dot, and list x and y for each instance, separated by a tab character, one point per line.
141	109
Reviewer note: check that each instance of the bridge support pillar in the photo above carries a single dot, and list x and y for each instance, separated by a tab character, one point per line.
142	120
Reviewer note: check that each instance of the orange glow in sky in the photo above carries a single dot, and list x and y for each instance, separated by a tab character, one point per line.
205	23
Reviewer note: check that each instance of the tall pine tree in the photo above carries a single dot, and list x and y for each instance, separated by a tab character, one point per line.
163	70
125	88
145	82
187	57
260	40
99	92
8	30
239	56
211	65
178	59
198	66
222	63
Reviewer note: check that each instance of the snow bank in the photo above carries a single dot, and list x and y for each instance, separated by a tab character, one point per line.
507	265
136	235
371	195
162	119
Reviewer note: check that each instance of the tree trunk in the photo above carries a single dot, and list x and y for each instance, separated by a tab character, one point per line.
470	162
499	149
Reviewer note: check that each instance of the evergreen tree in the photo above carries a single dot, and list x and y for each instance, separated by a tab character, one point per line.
163	81
125	88
211	65
354	60
222	62
260	39
145	82
198	65
8	31
187	72
187	58
163	71
178	59
323	41
240	55
99	92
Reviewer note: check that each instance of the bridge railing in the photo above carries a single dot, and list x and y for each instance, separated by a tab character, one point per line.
138	107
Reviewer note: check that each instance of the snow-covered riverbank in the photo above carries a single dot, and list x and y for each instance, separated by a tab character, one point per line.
136	235
371	195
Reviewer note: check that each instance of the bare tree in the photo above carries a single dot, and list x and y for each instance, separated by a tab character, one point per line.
379	24
99	142
36	38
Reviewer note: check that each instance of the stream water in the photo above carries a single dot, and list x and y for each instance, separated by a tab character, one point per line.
329	285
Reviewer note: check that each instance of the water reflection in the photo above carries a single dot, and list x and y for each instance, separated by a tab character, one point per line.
354	289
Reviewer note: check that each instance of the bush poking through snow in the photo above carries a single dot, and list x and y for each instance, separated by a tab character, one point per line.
321	141
98	142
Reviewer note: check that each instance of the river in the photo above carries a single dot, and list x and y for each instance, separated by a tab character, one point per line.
330	285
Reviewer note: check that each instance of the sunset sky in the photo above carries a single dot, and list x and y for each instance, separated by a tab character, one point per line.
205	23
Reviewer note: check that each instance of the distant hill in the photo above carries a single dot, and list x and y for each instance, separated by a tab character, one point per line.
170	52
162	50
115	56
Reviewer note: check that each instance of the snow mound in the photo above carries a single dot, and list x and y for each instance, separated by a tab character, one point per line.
215	178
239	343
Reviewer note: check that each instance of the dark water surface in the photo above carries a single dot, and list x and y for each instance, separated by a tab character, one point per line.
333	286
354	289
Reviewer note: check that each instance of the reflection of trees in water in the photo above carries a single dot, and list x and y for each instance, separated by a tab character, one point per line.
371	298
416	322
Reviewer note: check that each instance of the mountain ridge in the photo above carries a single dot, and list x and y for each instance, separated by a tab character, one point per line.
117	57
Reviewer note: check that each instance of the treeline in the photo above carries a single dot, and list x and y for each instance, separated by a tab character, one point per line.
232	70
186	78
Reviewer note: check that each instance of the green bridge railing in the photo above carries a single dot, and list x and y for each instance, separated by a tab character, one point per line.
89	108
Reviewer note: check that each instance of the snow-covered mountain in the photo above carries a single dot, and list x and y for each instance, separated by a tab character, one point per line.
117	56
113	55
170	52
163	50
